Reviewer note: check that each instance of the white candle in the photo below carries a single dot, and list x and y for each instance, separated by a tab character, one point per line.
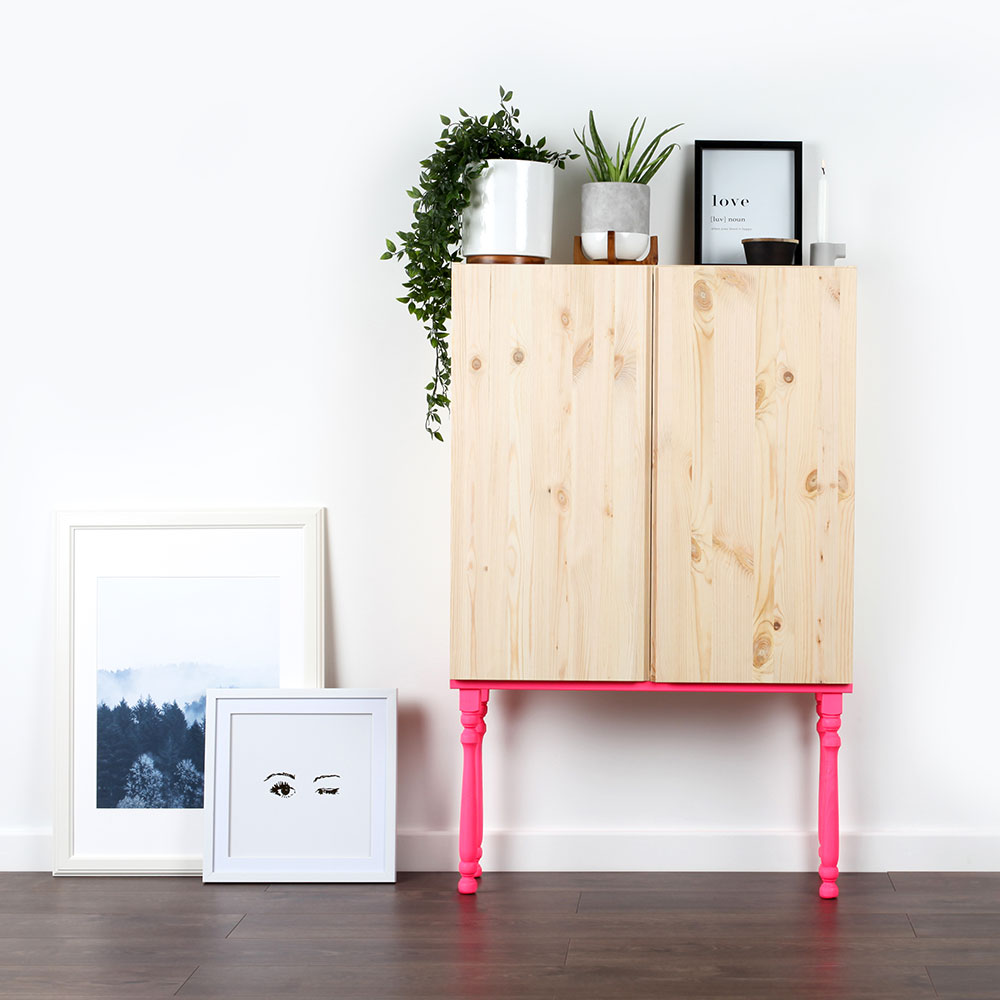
821	205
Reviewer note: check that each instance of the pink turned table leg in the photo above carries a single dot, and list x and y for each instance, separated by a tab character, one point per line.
828	708
470	701
481	731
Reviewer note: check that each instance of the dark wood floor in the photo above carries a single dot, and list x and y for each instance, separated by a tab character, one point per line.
524	936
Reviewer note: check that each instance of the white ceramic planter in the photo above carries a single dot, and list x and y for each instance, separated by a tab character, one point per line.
511	210
618	207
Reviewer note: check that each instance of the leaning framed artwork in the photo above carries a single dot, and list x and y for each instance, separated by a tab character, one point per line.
300	786
153	609
745	190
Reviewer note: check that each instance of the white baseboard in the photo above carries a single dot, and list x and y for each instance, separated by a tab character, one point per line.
702	850
654	850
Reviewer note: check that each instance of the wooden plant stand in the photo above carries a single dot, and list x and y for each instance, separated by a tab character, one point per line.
579	257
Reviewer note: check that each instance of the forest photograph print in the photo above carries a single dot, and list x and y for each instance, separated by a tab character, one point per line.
161	642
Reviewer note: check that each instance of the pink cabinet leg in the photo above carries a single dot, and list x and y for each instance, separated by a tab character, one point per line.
828	708
481	731
472	702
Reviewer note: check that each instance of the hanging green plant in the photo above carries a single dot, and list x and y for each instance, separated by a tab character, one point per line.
432	243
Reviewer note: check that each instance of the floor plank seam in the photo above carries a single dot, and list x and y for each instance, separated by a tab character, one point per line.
237	924
912	928
930	978
579	899
186	981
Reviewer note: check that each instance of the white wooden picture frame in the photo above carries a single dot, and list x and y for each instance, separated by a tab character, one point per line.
300	786
153	608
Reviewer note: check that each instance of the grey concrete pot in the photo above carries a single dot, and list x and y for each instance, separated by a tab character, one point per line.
621	207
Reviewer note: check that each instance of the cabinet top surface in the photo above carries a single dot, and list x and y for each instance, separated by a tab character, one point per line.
676	267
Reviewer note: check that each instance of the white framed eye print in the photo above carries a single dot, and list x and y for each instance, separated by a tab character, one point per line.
300	786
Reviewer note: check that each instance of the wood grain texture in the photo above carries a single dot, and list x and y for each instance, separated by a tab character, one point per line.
551	449
753	503
557	936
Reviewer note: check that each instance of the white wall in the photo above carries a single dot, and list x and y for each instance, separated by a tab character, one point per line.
194	197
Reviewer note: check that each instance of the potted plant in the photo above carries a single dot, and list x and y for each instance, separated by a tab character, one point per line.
485	191
617	199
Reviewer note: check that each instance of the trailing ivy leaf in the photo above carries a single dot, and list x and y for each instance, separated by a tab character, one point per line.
431	244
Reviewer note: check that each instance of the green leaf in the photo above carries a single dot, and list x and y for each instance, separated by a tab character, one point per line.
433	241
386	256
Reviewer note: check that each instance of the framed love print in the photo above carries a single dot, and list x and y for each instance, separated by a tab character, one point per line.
745	190
300	786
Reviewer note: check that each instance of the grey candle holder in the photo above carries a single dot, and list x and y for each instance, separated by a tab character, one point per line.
826	254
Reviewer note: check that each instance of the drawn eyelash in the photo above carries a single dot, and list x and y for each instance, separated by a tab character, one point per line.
327	791
282	789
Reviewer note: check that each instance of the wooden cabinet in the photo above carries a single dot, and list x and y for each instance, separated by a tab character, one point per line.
652	474
753	516
652	489
551	369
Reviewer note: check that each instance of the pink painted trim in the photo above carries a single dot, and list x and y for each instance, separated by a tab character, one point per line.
472	705
829	708
648	686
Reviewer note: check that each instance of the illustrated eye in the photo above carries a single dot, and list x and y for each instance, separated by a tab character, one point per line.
327	789
282	789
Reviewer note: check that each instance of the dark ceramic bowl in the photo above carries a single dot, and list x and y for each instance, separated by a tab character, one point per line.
770	250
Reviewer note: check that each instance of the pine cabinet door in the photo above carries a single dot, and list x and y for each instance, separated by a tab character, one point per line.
753	543
551	449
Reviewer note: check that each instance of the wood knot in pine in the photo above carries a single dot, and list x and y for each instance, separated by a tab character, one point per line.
695	551
736	279
565	318
761	650
760	395
777	625
583	356
619	364
843	484
702	296
740	554
562	498
812	482
788	376
518	356
476	364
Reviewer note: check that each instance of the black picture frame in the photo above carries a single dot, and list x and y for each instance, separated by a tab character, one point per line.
714	146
